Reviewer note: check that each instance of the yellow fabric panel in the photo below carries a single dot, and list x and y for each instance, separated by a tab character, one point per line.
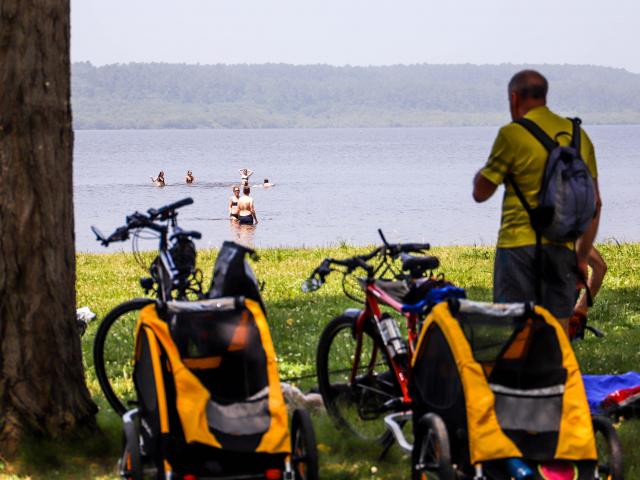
486	439
576	439
277	439
192	396
159	381
517	152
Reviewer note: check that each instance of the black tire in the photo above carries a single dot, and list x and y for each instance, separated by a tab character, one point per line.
118	364
354	407
304	451
431	456
609	449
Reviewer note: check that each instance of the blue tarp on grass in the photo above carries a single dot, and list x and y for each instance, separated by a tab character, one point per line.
599	386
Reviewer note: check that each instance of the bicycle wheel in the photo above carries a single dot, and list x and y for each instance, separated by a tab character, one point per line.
354	407
113	349
609	449
431	456
304	451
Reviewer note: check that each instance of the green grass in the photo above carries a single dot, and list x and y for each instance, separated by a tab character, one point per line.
296	320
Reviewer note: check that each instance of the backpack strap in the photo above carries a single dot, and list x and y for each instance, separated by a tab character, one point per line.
549	144
533	128
575	136
519	194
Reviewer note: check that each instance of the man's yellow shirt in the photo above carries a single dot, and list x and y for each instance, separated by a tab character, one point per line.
518	153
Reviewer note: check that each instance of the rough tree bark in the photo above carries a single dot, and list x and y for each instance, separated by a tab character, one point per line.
42	384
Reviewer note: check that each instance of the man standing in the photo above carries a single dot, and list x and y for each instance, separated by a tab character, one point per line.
246	210
519	157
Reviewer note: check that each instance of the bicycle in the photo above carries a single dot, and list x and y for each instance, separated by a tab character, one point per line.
362	358
173	275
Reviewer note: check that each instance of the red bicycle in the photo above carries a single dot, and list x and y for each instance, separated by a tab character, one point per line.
363	358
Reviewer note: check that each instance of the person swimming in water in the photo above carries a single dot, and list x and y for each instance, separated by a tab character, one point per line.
189	178
246	209
245	173
265	184
233	203
159	180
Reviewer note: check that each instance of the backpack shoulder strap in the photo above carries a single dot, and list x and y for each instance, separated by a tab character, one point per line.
519	194
537	132
575	136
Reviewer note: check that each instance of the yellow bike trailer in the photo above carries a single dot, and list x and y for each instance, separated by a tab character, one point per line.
498	394
209	398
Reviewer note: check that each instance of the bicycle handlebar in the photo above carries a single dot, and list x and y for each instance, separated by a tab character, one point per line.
398	248
140	220
318	276
168	210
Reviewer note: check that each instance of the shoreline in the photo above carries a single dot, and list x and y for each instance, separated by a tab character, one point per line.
613	242
337	127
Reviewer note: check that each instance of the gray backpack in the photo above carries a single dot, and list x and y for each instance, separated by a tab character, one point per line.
566	201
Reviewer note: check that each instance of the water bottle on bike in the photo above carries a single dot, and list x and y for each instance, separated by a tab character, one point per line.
391	336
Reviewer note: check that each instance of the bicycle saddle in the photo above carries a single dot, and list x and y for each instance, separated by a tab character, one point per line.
418	265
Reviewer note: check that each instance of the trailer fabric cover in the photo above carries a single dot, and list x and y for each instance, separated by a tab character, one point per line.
202	419
487	438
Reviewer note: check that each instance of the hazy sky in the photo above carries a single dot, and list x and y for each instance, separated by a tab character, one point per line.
357	32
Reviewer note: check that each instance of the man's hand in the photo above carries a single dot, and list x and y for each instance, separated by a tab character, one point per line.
483	189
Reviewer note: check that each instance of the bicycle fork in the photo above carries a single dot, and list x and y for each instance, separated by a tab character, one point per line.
397	369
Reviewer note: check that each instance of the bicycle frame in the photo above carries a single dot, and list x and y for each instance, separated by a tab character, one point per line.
372	310
166	274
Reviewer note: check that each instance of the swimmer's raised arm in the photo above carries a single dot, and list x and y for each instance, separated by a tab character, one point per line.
245	172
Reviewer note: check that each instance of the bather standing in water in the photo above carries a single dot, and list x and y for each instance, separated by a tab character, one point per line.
189	178
246	209
233	203
159	180
245	173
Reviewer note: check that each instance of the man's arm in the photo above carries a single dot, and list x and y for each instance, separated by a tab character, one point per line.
483	188
253	212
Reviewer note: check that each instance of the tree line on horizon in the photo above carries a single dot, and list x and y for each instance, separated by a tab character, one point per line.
162	95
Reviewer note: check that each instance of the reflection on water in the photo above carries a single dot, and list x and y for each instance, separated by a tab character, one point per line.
243	234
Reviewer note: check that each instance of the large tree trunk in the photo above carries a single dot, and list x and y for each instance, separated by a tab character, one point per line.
42	385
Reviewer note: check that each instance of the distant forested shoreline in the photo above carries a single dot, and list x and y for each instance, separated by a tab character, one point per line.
161	95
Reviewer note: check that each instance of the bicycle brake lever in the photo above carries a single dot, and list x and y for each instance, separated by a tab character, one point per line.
99	236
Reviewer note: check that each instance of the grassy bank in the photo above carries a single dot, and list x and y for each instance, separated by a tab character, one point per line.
296	320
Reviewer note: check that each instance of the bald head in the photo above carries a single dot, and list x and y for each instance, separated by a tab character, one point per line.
527	90
529	84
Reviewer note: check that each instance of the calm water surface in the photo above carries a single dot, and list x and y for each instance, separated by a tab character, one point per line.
332	185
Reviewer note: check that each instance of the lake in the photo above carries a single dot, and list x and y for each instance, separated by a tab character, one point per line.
331	185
